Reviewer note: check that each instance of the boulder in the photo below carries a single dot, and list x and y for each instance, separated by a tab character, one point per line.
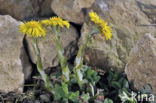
19	9
48	48
126	19
26	9
149	8
45	8
72	10
141	66
101	53
11	74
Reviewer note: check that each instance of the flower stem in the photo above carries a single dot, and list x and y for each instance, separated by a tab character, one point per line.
40	66
61	57
79	61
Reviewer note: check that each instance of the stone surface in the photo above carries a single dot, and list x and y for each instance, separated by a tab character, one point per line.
19	9
26	9
149	8
72	10
126	19
11	75
45	98
48	48
45	8
26	64
141	67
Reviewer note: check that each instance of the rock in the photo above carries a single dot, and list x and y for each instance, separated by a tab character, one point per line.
11	75
149	8
126	18
46	98
19	9
48	48
141	66
101	53
72	10
27	67
26	9
45	8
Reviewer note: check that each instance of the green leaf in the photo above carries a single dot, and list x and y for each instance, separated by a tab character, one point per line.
85	68
56	75
124	90
61	92
58	92
110	76
85	97
124	83
146	89
73	80
65	88
92	76
73	96
116	76
107	100
115	84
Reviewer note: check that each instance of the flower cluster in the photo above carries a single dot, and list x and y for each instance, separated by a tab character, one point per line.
56	21
83	75
104	28
32	28
35	28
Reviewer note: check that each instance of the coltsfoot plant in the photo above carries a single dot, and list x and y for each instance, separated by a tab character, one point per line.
35	30
100	27
56	23
81	76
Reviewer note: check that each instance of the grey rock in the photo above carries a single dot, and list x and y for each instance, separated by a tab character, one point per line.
45	8
26	9
19	9
26	65
126	19
141	66
11	75
149	8
72	10
45	98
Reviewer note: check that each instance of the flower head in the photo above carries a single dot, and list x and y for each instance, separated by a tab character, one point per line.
56	21
105	29
32	28
94	17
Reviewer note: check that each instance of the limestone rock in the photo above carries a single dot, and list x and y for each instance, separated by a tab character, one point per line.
19	9
101	53
26	9
45	8
48	48
11	75
126	19
26	64
141	67
72	10
149	8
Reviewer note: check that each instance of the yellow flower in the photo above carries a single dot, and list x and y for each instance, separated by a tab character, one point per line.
32	28
55	21
94	17
45	22
105	29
